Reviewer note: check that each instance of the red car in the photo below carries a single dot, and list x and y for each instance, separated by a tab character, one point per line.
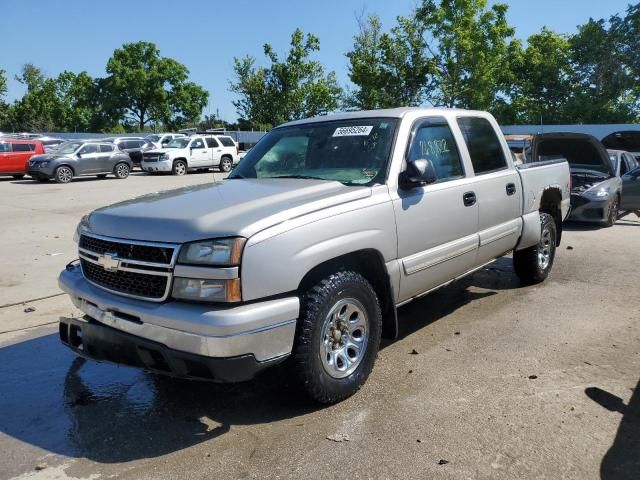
15	155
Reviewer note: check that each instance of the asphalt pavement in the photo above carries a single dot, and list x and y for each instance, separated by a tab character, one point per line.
488	380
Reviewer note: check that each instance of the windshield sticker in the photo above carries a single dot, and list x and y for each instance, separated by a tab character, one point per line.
352	131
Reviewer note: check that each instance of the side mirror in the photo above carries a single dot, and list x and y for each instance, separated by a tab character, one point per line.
418	173
79	155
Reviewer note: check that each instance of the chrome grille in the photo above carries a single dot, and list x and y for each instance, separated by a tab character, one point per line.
151	158
126	267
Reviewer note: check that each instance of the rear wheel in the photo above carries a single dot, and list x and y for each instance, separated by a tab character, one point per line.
226	164
613	213
337	337
179	168
533	264
63	174
122	170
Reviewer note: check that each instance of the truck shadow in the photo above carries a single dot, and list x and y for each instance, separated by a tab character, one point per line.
55	401
622	461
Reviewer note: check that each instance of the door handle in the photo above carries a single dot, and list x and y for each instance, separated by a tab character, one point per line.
469	199
511	188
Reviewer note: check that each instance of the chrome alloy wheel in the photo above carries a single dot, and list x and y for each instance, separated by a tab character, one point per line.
181	168
344	339
545	249
122	170
64	174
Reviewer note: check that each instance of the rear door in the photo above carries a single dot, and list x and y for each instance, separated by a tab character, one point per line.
105	157
437	227
630	183
496	187
216	150
20	155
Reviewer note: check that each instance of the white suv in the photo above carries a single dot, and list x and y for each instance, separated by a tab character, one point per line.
191	153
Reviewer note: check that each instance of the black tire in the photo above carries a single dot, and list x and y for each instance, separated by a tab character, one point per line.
226	164
102	176
18	177
63	174
179	168
533	264
122	170
312	337
613	213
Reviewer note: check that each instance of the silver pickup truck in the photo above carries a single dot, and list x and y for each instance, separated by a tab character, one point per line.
308	248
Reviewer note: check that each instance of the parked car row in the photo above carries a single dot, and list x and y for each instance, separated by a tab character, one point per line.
46	158
604	182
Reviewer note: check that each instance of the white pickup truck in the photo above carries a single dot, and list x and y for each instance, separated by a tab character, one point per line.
308	248
192	153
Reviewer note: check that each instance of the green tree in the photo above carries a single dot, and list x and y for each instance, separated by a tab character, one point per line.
602	81
148	87
472	45
4	108
542	80
289	89
31	77
389	69
39	109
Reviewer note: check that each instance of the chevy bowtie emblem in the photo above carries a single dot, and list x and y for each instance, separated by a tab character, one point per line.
109	262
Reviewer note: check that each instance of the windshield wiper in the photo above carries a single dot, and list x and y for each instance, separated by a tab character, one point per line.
304	177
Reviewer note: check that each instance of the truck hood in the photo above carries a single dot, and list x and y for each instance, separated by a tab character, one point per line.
239	207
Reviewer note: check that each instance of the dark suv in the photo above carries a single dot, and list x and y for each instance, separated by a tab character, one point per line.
134	146
75	158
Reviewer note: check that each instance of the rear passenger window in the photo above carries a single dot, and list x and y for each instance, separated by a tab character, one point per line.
23	147
106	148
483	144
211	142
5	147
227	142
434	141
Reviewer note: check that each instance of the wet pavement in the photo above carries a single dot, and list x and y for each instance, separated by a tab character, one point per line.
506	382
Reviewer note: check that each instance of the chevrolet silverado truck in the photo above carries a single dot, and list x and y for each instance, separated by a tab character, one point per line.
307	250
191	153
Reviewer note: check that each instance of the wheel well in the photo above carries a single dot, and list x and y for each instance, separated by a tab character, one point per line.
370	264
550	203
226	155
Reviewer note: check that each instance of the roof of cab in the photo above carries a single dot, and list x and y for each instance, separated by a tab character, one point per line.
388	113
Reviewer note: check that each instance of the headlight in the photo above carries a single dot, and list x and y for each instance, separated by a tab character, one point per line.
45	163
206	290
221	252
82	227
164	156
601	194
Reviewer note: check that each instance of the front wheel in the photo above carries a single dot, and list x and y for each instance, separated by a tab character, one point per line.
122	170
226	164
533	264
613	213
63	174
338	336
179	168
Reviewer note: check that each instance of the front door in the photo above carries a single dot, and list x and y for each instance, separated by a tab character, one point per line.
89	159
199	153
437	223
497	189
630	183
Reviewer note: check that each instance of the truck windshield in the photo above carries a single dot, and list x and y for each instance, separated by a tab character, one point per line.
68	147
354	152
177	143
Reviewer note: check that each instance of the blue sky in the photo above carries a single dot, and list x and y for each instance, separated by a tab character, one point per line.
206	35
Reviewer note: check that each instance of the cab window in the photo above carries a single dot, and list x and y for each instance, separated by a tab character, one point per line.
482	142
434	141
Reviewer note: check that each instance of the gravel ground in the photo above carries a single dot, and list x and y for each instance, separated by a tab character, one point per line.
508	382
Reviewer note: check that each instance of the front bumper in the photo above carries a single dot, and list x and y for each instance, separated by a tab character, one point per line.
585	209
41	171
262	331
160	166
